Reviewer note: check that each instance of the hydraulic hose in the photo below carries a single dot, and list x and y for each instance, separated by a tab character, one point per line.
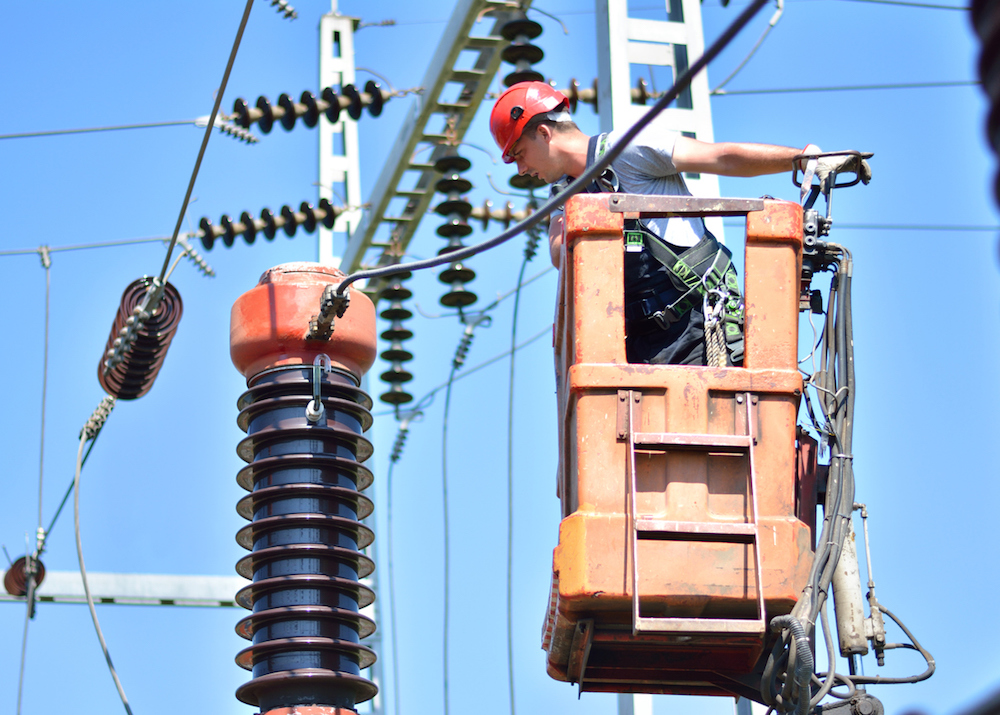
803	658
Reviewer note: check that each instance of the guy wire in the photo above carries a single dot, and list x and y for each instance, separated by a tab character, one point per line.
208	133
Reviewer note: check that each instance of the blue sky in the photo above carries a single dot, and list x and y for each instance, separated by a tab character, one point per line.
159	490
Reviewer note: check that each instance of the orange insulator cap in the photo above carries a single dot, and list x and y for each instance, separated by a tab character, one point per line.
269	323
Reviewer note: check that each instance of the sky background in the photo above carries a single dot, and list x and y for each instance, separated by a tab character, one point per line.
159	491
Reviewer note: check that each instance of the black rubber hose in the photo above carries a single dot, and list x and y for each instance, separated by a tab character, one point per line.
803	658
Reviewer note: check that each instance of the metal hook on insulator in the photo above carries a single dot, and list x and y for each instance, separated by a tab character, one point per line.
315	410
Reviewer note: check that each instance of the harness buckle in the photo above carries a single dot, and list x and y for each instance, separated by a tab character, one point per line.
663	318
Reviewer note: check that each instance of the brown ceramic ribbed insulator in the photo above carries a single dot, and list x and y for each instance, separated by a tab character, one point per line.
306	538
15	581
134	375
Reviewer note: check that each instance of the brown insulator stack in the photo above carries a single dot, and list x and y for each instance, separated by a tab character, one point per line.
519	31
133	376
309	107
397	333
456	209
287	219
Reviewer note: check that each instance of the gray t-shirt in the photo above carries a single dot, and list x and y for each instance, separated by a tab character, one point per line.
646	167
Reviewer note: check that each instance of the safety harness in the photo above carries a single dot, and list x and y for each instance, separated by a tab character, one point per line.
703	274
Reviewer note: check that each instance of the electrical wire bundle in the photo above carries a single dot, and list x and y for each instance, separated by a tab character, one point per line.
788	682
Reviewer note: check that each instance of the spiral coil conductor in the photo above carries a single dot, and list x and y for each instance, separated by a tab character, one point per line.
306	539
285	9
534	237
196	258
95	423
237	132
465	343
140	336
396	334
330	103
456	209
287	219
402	434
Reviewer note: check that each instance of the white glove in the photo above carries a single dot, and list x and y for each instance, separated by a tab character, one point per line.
823	166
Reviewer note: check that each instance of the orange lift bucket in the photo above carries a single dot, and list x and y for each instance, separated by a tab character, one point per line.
687	512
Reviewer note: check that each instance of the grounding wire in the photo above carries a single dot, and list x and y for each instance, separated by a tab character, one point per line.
208	134
584	180
83	574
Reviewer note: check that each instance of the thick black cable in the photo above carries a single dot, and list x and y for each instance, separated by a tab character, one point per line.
208	134
584	179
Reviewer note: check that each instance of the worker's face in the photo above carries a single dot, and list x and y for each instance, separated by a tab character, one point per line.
533	156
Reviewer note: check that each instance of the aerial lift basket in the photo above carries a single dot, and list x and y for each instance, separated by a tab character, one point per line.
687	511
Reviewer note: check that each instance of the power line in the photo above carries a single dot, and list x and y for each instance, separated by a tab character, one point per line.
85	246
901	227
89	130
848	88
930	6
221	124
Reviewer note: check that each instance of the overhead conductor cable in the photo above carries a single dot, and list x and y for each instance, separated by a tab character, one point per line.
329	308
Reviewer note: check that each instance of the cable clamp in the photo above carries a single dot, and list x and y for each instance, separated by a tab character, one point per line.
96	422
332	304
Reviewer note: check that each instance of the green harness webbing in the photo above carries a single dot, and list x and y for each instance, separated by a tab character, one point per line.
706	266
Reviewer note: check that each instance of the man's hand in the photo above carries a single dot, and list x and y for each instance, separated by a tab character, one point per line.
824	166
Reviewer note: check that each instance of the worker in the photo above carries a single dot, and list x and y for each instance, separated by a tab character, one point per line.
664	314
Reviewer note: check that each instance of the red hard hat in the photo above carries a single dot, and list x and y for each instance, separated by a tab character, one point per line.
515	108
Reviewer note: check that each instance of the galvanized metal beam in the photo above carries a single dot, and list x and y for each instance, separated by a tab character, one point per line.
137	589
456	114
